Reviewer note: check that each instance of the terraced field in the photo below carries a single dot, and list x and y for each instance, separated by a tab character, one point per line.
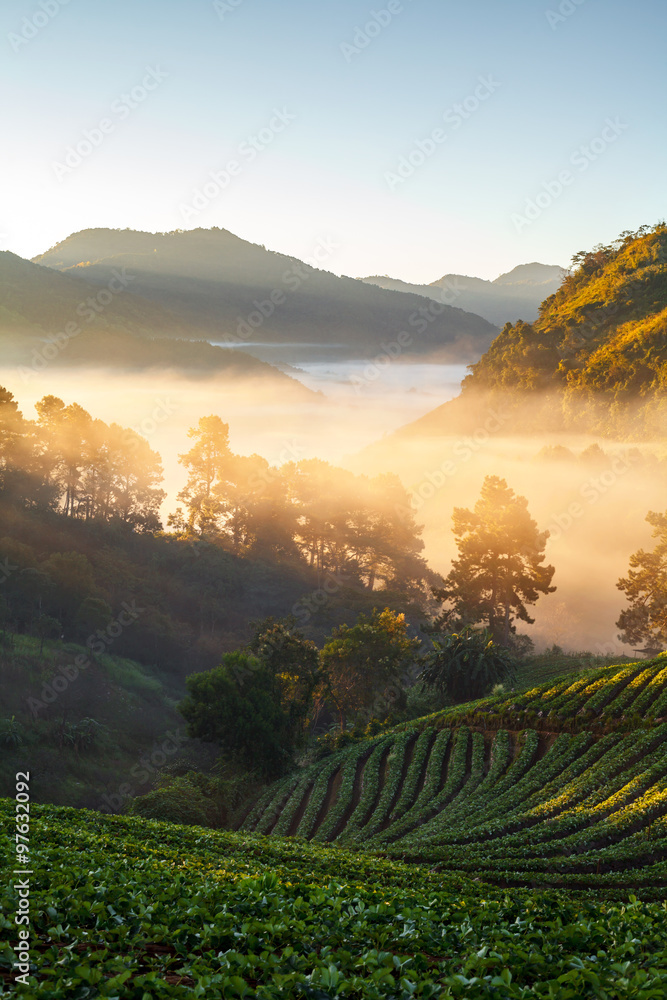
130	909
502	815
564	786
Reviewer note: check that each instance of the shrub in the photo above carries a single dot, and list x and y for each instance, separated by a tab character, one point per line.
179	801
467	664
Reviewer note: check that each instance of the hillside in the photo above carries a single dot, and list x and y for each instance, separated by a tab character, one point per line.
565	785
121	907
38	299
85	731
594	361
108	328
220	286
510	297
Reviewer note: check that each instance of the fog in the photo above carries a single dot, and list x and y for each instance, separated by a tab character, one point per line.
594	508
347	410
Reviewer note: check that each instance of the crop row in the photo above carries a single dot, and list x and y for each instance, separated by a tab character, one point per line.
123	907
344	797
391	785
610	696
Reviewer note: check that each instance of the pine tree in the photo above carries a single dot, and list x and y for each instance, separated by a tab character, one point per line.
645	587
499	569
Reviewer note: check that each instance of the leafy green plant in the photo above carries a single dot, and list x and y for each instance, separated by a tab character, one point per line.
466	664
12	733
178	801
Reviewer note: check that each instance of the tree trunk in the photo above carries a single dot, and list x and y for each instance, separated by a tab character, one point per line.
506	628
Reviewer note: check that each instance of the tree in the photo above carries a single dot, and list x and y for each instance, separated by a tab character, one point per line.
65	434
11	429
209	466
73	578
100	472
46	627
294	662
499	569
367	663
466	664
242	716
645	587
238	706
136	474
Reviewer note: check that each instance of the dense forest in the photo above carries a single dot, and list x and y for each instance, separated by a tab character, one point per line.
82	532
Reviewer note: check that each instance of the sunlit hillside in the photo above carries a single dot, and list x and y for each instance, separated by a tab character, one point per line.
564	785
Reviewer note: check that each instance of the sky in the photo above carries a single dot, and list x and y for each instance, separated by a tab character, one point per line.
415	137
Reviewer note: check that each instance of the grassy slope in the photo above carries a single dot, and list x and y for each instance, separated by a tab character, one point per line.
134	705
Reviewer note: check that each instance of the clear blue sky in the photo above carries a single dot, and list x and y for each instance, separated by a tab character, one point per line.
356	113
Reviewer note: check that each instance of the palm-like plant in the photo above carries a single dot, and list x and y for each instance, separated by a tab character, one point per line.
466	664
11	733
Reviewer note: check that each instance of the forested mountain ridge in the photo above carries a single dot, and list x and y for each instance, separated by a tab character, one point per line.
37	298
596	358
225	288
81	324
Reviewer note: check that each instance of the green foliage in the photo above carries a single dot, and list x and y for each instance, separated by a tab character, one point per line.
256	704
645	587
467	664
366	665
597	355
237	705
46	627
578	801
294	662
554	663
85	736
176	914
176	801
12	733
499	566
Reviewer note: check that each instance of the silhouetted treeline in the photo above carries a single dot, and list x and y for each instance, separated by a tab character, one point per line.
80	537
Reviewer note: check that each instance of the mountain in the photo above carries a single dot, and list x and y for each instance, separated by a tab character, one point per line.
223	288
38	299
594	362
512	296
65	320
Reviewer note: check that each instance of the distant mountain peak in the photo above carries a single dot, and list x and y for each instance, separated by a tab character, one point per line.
534	273
222	287
515	295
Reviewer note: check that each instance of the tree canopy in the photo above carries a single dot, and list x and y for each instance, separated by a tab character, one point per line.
466	664
499	571
645	587
366	664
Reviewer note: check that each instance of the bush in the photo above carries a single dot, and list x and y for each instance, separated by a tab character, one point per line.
12	734
179	801
198	799
466	664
